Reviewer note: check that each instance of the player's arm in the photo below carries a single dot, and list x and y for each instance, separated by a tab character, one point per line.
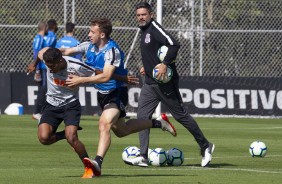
103	77
129	79
68	51
31	67
81	48
41	52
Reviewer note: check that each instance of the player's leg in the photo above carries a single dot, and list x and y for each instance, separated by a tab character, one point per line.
147	104
73	140
122	128
109	115
46	134
41	97
77	145
48	124
72	116
171	98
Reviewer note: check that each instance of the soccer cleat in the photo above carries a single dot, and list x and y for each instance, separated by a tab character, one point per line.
36	116
88	173
93	165
166	125
137	161
207	155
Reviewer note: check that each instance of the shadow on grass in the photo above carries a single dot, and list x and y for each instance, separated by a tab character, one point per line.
217	165
135	175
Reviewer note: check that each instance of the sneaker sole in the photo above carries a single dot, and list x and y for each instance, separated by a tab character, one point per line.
88	163
86	176
164	117
173	128
140	165
213	146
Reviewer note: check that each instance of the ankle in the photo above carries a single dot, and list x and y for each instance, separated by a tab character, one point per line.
99	160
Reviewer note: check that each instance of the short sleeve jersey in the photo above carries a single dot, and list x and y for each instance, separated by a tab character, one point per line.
58	94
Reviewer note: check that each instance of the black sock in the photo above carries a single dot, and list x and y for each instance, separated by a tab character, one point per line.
156	123
84	156
99	160
60	135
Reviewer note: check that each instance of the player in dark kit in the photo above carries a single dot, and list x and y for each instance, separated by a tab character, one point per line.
153	36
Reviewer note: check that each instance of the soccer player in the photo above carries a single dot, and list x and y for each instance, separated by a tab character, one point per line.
153	36
68	40
50	40
38	44
104	54
62	102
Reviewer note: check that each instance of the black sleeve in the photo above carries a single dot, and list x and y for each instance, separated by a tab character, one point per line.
166	39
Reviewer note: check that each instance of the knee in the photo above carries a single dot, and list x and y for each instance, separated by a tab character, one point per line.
104	126
72	139
44	139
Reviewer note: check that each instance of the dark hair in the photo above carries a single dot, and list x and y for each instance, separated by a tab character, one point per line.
52	55
144	5
52	25
70	27
104	25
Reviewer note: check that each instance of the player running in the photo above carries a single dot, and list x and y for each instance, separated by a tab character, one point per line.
62	102
104	54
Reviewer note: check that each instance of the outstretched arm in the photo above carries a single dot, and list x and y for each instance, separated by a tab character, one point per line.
129	79
31	67
105	76
102	77
68	51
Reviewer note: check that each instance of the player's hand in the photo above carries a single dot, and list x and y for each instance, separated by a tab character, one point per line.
30	68
132	80
162	71
73	81
142	71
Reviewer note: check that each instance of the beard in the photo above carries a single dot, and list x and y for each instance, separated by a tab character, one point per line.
143	23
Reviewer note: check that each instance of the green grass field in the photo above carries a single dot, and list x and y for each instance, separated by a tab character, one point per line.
23	160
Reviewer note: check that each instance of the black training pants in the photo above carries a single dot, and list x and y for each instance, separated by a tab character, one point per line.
169	95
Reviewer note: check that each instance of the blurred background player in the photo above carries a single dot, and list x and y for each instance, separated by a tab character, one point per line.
69	40
38	44
50	40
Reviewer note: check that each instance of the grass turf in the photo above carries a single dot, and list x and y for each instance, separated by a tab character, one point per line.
24	160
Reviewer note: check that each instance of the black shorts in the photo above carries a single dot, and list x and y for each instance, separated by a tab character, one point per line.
118	96
54	116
